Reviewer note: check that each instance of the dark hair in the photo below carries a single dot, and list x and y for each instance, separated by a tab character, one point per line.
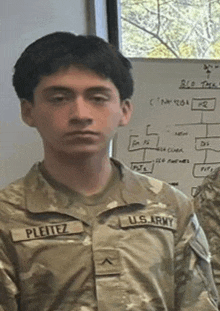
48	54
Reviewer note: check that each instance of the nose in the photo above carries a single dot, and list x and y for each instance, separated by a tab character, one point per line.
80	111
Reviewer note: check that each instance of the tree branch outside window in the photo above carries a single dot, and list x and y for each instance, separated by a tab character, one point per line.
171	28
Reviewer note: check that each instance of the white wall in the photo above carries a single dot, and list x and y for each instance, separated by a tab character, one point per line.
22	22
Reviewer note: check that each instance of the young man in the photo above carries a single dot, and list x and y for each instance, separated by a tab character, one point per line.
81	231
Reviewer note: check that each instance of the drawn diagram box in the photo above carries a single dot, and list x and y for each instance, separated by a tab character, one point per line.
148	142
203	169
142	167
204	104
207	143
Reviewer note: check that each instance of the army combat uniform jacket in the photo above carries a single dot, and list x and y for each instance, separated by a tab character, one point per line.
144	251
207	206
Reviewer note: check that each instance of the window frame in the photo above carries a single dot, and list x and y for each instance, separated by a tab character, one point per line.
97	16
113	20
104	20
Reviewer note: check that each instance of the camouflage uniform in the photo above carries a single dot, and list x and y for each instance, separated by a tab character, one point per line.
144	251
207	206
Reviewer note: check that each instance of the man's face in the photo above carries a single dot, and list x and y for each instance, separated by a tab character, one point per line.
76	111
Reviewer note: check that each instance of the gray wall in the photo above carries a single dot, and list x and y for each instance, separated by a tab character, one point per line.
22	22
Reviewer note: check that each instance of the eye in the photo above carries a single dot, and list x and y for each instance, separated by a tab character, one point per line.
99	99
58	99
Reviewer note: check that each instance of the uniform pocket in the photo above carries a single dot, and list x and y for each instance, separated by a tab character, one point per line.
37	285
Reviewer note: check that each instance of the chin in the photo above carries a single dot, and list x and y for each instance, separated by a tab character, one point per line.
83	152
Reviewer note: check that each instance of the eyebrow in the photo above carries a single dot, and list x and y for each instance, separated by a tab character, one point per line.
95	89
99	89
51	89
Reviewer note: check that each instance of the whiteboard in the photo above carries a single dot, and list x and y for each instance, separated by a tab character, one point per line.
174	134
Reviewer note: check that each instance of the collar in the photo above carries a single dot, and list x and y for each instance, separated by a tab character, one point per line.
41	197
133	189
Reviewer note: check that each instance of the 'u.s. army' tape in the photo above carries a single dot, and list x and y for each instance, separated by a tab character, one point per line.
148	219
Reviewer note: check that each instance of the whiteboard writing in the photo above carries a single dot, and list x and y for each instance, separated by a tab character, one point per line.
174	134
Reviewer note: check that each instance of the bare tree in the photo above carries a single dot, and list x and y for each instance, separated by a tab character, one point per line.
171	28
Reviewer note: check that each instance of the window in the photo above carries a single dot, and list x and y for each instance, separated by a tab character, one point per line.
170	28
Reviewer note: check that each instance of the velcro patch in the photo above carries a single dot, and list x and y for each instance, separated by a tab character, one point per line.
47	230
155	220
107	262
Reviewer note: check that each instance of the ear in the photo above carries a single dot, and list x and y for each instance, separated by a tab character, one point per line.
27	112
127	109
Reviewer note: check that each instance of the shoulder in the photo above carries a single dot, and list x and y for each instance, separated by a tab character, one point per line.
13	195
154	187
209	190
157	193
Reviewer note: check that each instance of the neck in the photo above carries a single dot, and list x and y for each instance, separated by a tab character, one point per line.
87	175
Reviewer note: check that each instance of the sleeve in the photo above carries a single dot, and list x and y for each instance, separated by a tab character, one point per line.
8	289
207	208
195	288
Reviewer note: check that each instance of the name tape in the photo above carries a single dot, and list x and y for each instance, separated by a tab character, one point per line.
138	220
47	230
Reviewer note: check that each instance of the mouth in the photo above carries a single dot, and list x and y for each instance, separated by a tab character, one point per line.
82	136
82	133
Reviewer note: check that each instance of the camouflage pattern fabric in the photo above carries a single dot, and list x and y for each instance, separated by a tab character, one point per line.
207	206
145	251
